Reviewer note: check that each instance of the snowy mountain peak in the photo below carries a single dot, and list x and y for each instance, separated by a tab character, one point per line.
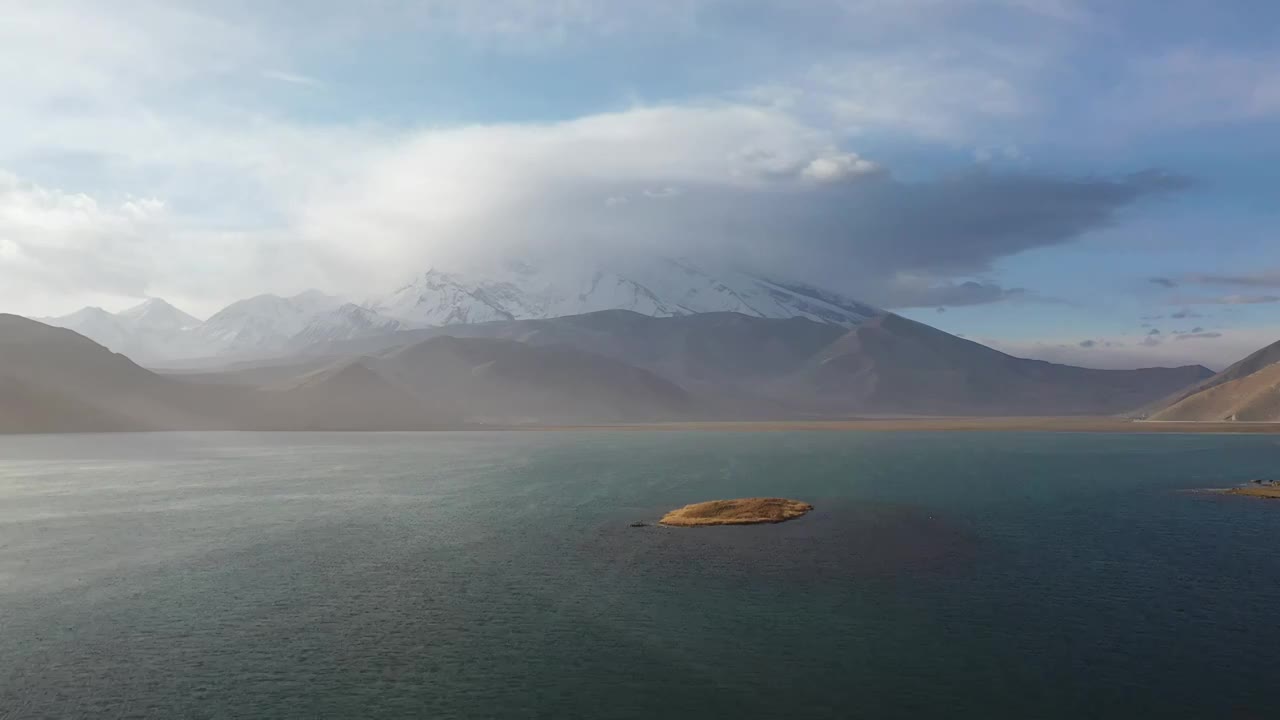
96	324
345	322
157	314
314	301
263	323
145	331
440	298
520	290
156	331
90	313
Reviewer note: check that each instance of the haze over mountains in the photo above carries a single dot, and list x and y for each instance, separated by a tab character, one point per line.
523	345
254	327
268	325
601	367
768	367
55	380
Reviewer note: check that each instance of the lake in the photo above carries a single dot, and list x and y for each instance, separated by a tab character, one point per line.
495	575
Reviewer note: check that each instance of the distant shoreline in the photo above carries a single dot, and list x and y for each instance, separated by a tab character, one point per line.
946	424
910	424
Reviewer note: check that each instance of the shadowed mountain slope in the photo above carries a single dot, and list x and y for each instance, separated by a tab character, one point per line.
505	380
609	366
892	364
737	365
55	380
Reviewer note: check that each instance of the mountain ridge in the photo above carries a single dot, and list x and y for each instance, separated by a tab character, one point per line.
55	380
797	367
611	366
156	332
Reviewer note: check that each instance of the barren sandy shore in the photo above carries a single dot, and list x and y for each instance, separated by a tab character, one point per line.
953	424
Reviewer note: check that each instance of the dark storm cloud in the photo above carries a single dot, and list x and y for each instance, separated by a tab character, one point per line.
964	223
898	243
1088	343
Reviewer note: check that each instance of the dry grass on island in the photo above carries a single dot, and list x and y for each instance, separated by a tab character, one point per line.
742	511
1262	489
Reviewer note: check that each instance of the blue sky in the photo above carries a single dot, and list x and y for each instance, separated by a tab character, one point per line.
1091	182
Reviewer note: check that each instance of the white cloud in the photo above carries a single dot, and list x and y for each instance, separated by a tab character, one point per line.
58	243
156	98
441	197
662	192
293	78
82	51
358	211
269	206
931	96
1005	153
837	167
61	250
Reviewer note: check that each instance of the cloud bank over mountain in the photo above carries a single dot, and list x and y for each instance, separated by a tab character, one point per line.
723	183
915	154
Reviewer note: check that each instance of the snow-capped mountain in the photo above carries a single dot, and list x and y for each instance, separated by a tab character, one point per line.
156	315
263	323
150	330
157	333
104	328
663	288
345	322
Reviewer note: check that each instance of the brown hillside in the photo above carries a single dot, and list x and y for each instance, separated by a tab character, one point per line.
1252	398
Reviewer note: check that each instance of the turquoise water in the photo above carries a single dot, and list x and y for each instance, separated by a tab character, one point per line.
495	575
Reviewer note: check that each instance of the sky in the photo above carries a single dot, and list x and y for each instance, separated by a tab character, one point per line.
1082	181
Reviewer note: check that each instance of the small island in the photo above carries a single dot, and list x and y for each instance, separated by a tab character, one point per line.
1258	488
742	511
